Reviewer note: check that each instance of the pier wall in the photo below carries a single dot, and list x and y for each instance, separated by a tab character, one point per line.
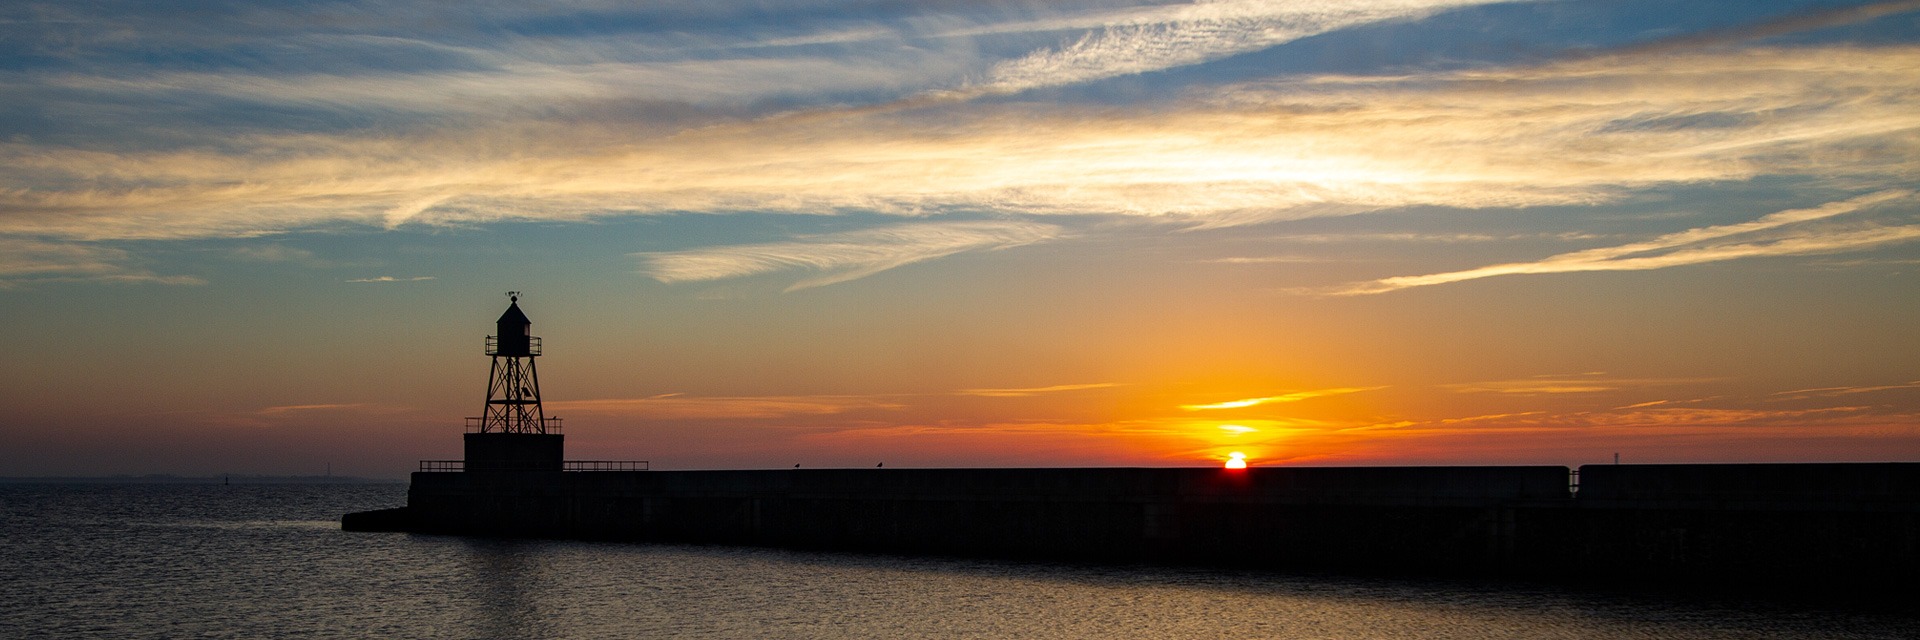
1844	527
1443	516
1843	522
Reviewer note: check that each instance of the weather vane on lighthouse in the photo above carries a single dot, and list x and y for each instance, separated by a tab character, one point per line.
513	387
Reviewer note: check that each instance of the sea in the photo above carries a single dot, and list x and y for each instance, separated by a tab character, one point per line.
270	561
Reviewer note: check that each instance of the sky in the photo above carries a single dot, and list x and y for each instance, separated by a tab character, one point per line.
271	237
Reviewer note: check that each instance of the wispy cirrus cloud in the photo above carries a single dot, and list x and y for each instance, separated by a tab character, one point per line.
841	257
1594	382
1570	133
1158	38
1711	417
377	279
280	253
1844	391
1658	415
1264	260
294	408
422	62
1286	397
29	260
304	415
682	407
1034	391
1701	245
1437	238
744	111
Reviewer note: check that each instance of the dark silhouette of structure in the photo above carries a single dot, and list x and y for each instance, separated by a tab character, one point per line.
513	387
513	432
1805	526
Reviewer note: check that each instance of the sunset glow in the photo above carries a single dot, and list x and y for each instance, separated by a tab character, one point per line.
1071	233
1236	460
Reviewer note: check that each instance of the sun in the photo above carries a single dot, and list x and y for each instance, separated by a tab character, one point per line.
1236	460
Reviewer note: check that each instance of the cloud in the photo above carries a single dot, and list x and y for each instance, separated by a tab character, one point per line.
1289	397
1701	245
841	257
278	253
393	279
423	64
1806	20
1050	443
1719	417
358	115
1663	418
506	81
302	415
22	257
1578	132
678	407
29	260
1264	260
1562	384
1842	391
293	408
1034	391
1159	38
1444	238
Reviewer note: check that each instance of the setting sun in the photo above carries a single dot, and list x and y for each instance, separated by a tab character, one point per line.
1236	460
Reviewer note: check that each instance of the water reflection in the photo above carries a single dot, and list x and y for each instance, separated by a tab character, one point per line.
503	575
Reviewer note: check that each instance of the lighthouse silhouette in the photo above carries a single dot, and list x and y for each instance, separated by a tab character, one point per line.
514	432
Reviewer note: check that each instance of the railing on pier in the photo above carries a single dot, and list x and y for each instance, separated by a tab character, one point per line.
604	465
454	466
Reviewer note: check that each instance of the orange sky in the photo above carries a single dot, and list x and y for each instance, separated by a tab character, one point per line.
1078	232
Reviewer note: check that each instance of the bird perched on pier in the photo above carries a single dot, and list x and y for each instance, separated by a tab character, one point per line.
880	465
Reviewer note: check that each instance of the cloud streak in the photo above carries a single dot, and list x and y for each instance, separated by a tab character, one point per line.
1186	34
1288	397
679	407
841	257
377	279
26	260
1698	246
1799	394
1034	391
1567	384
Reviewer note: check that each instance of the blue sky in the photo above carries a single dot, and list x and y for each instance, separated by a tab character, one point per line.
250	236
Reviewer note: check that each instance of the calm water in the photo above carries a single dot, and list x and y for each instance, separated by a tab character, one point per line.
170	561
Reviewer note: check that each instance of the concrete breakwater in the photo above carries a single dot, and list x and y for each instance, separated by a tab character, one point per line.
1836	524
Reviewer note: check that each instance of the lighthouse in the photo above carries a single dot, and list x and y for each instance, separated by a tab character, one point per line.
513	433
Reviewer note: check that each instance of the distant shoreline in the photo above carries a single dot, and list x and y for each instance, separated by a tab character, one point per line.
173	479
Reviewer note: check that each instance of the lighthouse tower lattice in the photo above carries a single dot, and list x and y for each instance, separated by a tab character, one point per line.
513	386
514	433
